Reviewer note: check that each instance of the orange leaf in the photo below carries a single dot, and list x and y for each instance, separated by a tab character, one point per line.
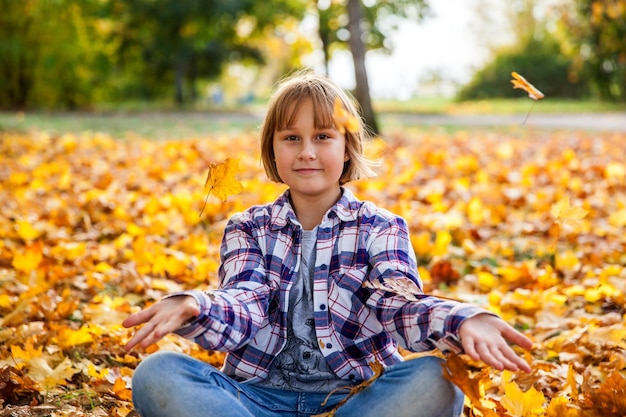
344	121
120	390
221	180
520	82
455	371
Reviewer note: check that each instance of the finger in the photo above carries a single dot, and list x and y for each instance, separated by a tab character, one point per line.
516	337
469	348
153	331
138	318
519	362
139	336
507	358
487	356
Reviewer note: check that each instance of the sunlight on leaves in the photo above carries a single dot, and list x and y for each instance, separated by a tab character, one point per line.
93	228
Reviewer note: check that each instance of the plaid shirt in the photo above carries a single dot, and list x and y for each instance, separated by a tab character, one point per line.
355	323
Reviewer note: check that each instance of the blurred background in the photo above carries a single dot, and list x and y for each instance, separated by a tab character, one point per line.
398	55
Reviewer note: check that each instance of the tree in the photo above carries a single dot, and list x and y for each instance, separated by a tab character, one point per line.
595	36
51	54
362	26
173	42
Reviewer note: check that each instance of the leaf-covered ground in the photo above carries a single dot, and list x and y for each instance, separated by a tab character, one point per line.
531	225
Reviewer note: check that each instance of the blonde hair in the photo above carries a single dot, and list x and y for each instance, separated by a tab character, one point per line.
283	107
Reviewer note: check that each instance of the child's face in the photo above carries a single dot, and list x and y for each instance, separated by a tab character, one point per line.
310	160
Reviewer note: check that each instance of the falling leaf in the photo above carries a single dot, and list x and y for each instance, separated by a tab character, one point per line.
221	180
344	121
520	82
565	215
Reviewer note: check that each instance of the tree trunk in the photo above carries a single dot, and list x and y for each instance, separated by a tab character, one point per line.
323	31
357	47
179	97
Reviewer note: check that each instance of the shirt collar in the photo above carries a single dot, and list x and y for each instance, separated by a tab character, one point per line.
346	209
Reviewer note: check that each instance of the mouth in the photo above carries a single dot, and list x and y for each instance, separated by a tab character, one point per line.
306	171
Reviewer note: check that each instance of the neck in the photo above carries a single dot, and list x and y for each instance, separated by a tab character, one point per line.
311	210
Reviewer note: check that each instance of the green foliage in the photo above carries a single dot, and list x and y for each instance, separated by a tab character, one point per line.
173	43
52	54
597	32
540	60
380	18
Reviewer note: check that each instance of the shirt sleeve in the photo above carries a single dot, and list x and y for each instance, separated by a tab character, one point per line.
418	322
230	316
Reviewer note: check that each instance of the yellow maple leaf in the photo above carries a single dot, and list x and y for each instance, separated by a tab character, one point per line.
40	370
221	180
566	215
522	404
27	353
344	121
520	82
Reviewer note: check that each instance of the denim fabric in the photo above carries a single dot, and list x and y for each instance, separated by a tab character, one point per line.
168	384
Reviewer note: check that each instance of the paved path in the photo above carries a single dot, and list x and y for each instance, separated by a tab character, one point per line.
613	122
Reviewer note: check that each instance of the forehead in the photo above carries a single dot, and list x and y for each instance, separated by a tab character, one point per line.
288	107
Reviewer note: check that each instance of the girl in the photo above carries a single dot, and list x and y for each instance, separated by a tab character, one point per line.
305	304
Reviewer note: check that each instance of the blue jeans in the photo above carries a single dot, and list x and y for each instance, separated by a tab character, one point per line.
168	384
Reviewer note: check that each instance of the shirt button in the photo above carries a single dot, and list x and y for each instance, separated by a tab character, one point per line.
322	306
329	345
324	267
352	377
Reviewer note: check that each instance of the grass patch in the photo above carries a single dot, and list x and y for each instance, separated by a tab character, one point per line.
151	121
441	105
156	125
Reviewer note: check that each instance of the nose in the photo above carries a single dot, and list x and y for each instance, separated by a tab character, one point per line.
307	151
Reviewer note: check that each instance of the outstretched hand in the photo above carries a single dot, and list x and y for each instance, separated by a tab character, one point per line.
159	319
484	337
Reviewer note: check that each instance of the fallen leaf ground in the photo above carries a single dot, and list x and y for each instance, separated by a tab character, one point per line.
528	224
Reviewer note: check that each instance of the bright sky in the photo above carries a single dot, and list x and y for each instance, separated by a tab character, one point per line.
442	43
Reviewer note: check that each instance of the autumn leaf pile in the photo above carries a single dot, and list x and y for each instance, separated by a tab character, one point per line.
529	224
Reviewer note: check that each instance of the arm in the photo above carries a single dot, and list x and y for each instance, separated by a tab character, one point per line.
421	322
222	319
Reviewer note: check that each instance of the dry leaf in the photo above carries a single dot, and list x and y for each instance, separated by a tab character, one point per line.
455	371
221	180
520	82
344	121
522	404
563	213
378	369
